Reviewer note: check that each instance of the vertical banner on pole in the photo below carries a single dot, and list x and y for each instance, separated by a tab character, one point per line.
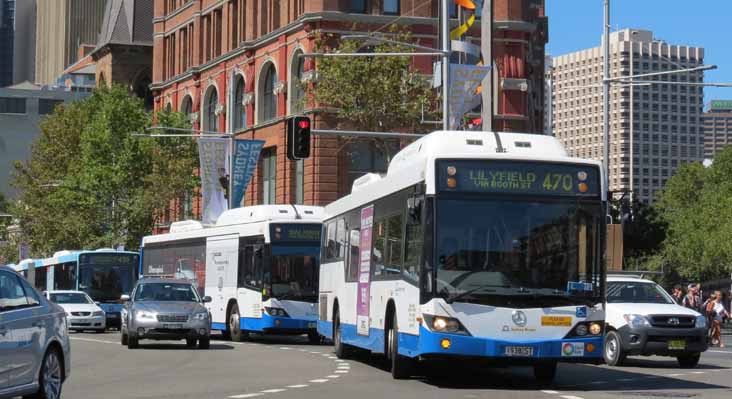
246	156
464	82
364	272
213	155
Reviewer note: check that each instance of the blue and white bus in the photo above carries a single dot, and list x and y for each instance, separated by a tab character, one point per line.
259	265
104	274
469	247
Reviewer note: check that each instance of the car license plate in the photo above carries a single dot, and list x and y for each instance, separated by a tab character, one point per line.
173	326
519	351
312	325
677	345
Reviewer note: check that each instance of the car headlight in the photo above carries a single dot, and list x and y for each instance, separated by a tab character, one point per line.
276	312
98	313
200	316
142	315
636	320
701	322
445	325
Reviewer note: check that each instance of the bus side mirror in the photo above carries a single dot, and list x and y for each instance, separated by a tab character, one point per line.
207	299
125	298
414	209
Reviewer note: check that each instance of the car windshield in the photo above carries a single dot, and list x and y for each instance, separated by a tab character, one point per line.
69	298
166	292
636	292
522	248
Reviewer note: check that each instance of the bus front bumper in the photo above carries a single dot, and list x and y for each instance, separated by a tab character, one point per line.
275	324
432	344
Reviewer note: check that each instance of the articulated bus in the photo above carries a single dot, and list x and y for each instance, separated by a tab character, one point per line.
104	274
259	264
472	246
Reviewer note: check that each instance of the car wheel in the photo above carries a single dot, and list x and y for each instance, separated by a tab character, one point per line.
314	338
204	343
50	377
133	342
613	353
124	339
689	361
191	342
342	351
544	372
401	366
234	326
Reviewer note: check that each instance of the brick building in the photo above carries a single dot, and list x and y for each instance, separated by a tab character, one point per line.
233	66
717	127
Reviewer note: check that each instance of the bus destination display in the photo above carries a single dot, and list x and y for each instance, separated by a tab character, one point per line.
295	232
516	177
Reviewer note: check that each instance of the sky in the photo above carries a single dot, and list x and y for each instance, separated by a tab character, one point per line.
577	24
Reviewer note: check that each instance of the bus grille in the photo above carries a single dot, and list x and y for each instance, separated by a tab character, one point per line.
172	318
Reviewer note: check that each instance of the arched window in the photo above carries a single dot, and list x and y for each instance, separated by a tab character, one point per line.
168	107
240	111
211	121
186	106
297	89
267	98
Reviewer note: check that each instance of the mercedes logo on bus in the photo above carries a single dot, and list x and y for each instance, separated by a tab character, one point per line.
519	318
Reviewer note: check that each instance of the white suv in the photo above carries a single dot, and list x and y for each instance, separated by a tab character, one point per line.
642	319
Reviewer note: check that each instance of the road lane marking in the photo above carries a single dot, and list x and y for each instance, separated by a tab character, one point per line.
273	390
94	340
321	380
674	375
298	386
246	395
697	372
715	351
551	392
571	397
333	376
626	379
342	371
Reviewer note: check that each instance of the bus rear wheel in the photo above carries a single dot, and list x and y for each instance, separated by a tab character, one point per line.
342	351
401	366
233	326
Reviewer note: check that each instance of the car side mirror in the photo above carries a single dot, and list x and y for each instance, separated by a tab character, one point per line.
207	299
124	298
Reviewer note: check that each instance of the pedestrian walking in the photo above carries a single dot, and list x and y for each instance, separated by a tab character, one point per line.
678	294
715	312
692	300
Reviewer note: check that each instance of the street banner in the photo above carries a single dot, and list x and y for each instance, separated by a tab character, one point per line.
213	154
246	156
364	274
464	82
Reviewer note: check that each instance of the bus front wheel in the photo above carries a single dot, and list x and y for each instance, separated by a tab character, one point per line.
234	326
401	366
343	351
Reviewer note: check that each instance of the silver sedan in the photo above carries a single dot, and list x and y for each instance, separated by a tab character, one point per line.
34	341
165	309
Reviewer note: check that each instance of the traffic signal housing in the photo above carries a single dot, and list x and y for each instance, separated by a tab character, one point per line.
298	138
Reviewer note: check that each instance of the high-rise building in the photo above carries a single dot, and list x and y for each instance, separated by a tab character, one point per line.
7	35
235	66
62	27
548	95
654	126
24	42
717	127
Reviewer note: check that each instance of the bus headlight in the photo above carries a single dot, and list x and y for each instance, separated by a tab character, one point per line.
276	312
445	325
701	322
581	330
595	328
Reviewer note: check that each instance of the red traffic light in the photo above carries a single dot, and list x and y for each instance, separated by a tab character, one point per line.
303	124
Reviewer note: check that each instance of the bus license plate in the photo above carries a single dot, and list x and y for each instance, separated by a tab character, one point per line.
312	325
677	345
519	351
173	326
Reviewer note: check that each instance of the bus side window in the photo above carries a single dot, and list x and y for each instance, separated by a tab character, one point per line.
246	276
353	254
330	241
341	238
413	246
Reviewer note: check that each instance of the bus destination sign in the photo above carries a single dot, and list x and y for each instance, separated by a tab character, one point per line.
295	232
518	177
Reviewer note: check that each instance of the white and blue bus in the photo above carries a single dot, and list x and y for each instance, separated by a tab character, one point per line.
468	248
259	264
104	274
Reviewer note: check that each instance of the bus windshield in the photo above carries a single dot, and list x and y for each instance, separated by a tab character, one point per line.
294	273
106	277
521	253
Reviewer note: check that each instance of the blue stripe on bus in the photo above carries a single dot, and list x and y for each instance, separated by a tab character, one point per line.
429	343
218	326
269	323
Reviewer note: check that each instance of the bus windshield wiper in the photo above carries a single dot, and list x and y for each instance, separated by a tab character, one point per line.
471	291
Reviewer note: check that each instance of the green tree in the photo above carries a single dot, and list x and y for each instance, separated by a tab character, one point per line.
89	183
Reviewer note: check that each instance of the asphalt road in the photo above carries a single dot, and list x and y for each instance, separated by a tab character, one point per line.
289	368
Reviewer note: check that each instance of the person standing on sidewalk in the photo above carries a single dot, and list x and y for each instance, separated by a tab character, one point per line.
692	300
678	294
715	312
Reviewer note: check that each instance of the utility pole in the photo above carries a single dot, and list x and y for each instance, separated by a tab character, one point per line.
606	97
486	49
445	32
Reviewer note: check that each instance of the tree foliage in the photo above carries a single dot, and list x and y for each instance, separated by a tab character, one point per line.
89	183
697	207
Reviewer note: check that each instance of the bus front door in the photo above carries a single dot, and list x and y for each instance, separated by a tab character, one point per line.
221	273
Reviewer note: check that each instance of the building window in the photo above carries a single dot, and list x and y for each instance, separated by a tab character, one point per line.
299	181
390	7
269	175
46	106
358	6
297	89
268	99
186	106
240	111
211	123
9	105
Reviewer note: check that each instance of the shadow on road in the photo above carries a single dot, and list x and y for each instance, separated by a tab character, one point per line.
182	347
273	340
